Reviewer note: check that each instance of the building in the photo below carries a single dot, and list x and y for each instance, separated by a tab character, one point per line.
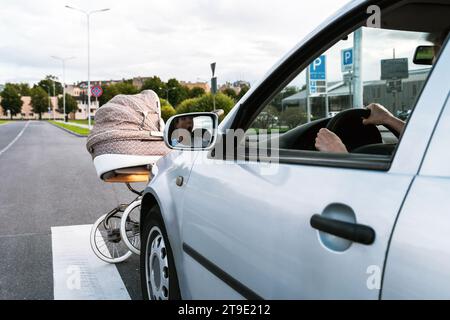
236	86
28	114
375	91
204	85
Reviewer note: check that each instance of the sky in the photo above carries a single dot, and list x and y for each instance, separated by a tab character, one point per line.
171	38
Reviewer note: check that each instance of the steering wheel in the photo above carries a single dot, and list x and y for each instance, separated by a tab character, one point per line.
348	126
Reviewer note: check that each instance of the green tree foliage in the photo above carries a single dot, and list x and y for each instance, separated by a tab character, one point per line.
243	91
113	90
47	85
267	119
231	93
205	103
287	92
71	104
292	117
177	92
11	100
22	88
39	100
167	110
196	92
156	84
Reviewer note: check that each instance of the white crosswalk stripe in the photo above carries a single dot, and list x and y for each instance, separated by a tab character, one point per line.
77	273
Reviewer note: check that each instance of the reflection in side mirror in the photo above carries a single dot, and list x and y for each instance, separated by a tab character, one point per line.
425	55
191	131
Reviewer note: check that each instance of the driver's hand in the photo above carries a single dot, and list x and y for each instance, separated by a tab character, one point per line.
327	141
378	115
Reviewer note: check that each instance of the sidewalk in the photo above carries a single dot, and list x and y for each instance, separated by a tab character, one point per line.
85	126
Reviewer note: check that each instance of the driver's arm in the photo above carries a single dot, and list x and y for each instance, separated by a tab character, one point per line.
380	115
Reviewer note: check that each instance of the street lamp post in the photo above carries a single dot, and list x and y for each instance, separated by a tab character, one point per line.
63	61
88	15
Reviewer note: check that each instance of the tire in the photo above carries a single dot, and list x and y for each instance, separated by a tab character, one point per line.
127	220
159	279
100	246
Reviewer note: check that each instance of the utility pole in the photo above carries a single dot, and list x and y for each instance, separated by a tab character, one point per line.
308	100
63	61
88	15
213	84
357	69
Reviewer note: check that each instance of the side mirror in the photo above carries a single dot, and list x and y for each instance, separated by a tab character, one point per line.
191	131
424	55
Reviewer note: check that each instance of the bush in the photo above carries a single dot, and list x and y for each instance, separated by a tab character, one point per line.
167	110
205	104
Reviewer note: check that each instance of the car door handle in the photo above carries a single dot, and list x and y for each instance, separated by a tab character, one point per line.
346	230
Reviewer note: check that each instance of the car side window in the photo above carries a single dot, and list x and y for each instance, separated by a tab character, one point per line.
371	74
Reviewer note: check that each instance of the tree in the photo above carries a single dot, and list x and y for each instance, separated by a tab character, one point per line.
205	103
22	88
292	117
243	91
47	85
71	104
11	100
156	84
267	118
39	100
113	90
167	110
230	92
196	92
177	92
287	92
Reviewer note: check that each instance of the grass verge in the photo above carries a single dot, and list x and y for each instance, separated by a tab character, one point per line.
74	129
82	121
3	122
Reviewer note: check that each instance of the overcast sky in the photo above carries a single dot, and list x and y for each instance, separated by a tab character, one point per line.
170	38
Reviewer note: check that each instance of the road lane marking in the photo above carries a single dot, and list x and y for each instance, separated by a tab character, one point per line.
15	139
77	272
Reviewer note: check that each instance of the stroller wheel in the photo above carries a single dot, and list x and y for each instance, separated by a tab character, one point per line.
106	241
130	227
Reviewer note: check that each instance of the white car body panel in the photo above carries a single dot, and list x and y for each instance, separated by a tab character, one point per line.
256	227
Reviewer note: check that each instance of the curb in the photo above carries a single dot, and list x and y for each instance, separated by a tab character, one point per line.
68	131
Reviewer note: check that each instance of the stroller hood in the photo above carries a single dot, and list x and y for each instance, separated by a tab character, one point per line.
128	124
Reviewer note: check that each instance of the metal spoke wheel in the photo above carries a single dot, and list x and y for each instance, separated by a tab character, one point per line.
106	241
129	227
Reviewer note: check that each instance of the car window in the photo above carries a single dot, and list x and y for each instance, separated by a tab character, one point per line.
339	80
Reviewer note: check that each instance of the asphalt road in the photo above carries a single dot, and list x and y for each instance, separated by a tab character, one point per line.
47	179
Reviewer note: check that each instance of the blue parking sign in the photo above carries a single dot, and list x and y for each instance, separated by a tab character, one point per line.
347	59
317	69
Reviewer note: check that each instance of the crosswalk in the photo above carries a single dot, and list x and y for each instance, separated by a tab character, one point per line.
77	273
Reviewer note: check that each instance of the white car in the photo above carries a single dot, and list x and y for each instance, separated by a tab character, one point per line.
221	221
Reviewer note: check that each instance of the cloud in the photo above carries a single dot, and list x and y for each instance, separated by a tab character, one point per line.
173	38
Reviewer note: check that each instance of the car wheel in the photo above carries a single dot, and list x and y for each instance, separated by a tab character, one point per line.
158	275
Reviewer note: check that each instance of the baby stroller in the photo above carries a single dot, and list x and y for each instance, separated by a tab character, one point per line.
125	142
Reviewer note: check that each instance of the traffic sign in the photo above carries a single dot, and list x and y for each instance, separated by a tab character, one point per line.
317	70
392	69
317	83
393	86
347	60
96	91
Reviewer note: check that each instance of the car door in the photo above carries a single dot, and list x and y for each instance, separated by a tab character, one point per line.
247	226
418	261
